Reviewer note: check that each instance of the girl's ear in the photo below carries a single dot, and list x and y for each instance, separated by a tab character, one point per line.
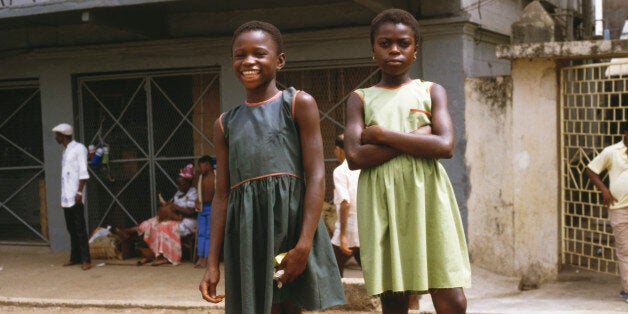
281	61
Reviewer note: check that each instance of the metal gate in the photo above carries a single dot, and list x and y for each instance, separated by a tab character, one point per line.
331	87
149	125
594	101
23	218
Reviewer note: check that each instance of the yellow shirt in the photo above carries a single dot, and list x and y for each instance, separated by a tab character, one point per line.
614	159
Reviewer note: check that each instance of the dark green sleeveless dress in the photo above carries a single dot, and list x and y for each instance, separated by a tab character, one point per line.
265	212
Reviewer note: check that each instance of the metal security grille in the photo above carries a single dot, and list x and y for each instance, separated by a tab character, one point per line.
23	218
594	101
331	87
153	124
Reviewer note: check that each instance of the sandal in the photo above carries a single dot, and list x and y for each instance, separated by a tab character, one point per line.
144	261
159	261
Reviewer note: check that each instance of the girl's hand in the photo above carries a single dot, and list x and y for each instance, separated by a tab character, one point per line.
208	285
372	135
293	264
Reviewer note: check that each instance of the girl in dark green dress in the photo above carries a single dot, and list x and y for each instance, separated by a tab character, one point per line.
269	191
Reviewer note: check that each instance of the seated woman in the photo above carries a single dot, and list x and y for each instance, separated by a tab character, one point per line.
174	220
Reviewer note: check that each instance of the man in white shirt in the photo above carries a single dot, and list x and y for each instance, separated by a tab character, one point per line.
74	175
345	239
614	159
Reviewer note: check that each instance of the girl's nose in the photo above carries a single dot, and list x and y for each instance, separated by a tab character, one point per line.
249	59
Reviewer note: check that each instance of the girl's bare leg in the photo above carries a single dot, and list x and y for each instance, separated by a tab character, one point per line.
394	303
449	301
285	308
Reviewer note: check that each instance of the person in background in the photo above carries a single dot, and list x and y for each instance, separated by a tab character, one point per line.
174	220
206	185
614	159
345	239
74	175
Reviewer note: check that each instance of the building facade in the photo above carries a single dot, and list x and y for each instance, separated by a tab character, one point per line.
146	79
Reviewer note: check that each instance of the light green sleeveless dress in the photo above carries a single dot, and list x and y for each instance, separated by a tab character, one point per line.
411	234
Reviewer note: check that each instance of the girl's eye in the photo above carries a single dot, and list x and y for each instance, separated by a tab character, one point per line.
405	43
260	54
384	43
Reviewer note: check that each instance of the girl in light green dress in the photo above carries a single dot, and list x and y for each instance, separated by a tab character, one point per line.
411	235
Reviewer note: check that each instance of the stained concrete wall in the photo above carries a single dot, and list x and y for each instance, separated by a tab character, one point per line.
489	158
514	169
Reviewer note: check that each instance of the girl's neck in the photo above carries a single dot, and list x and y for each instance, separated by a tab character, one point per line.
393	81
262	93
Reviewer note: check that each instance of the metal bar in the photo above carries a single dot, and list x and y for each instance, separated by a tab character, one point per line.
22	149
325	115
104	186
25	223
46	243
115	120
176	158
151	143
207	70
174	183
21	187
21	168
22	105
17	191
184	117
126	107
122	189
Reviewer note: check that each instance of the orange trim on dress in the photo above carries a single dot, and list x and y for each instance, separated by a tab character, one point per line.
263	101
220	123
429	89
420	111
294	101
275	174
396	87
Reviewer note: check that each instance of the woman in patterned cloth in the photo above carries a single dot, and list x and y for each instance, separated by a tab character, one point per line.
163	232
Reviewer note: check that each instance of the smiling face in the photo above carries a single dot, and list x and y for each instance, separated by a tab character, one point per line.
394	48
256	59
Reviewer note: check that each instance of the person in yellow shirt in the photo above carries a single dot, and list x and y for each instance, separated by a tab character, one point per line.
614	159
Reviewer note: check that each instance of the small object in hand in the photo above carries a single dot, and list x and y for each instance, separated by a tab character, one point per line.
279	258
277	277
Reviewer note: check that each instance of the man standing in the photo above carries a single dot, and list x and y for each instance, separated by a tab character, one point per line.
345	239
73	178
614	158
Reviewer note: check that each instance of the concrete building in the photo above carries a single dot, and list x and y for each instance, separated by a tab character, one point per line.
534	131
146	79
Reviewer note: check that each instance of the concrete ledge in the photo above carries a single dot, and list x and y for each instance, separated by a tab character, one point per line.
586	49
355	292
109	304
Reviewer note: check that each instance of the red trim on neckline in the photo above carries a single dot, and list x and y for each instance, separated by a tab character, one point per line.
263	101
396	87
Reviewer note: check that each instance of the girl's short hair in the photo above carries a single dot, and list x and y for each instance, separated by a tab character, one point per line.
271	29
395	16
